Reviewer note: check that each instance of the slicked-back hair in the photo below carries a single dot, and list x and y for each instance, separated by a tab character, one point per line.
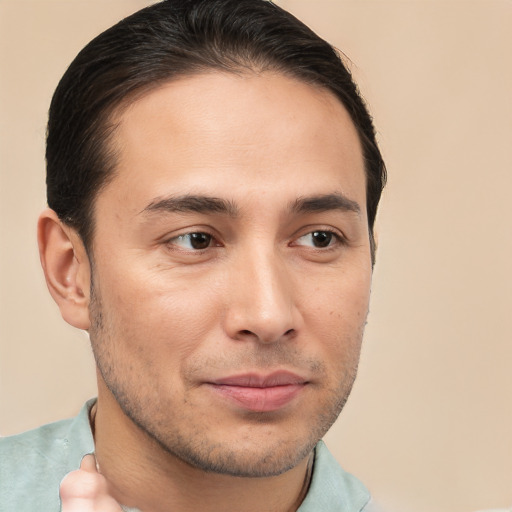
170	40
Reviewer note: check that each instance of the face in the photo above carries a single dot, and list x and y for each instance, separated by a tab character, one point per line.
232	269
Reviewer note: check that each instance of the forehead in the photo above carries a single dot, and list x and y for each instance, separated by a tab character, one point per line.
244	133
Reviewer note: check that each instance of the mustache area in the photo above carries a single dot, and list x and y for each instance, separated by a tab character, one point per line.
262	362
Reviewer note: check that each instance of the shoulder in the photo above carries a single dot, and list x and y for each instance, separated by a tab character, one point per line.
44	445
33	463
332	488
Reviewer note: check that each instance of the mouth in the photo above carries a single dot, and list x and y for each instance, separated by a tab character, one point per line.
260	393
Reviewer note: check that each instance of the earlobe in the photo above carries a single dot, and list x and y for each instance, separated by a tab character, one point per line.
66	268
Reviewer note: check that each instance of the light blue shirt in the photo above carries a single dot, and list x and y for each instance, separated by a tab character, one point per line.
33	464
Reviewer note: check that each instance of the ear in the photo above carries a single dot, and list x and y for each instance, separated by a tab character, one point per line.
66	268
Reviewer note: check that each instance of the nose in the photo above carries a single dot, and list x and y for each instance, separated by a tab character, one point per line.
262	303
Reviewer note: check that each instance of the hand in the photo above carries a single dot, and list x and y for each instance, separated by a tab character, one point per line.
86	490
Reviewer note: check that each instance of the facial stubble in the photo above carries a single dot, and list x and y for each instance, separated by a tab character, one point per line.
192	445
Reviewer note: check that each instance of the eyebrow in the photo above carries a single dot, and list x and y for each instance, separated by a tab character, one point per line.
192	204
209	204
325	202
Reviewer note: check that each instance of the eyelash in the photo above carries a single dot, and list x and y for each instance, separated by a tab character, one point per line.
172	241
339	240
336	238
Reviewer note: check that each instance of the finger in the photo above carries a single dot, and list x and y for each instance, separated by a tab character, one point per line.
89	463
82	485
86	491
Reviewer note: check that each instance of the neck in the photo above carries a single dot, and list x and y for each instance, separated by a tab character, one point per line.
142	474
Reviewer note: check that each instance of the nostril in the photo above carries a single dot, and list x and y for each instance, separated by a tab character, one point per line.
246	333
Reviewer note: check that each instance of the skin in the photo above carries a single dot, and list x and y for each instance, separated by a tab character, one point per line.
277	278
86	490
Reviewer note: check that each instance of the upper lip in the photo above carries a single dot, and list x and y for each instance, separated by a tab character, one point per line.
256	380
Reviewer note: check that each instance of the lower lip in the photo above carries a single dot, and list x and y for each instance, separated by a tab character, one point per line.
260	399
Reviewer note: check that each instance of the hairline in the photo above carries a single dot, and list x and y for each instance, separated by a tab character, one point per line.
110	119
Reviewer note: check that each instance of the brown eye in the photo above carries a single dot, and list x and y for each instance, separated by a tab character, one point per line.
318	239
200	240
322	238
193	241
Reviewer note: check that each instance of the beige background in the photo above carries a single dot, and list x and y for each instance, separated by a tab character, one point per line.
429	425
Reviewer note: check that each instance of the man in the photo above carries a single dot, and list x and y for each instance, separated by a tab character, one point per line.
213	180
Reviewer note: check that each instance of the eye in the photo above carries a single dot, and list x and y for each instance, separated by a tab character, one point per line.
193	241
319	239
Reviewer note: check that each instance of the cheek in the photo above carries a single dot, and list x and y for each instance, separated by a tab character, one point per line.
339	297
335	314
157	312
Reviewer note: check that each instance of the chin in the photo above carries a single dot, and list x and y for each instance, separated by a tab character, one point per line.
244	461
